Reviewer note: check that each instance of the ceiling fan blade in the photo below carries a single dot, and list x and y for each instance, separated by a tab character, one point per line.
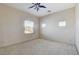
38	3
42	6
37	9
31	6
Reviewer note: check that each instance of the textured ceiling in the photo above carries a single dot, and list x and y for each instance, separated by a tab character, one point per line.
51	8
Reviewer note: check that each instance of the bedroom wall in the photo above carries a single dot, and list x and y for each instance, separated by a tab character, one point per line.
77	26
61	34
12	26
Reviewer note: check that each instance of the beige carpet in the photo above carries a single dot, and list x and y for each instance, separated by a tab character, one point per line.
39	47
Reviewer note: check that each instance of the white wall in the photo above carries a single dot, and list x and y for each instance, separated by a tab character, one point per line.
12	30
12	26
77	26
62	34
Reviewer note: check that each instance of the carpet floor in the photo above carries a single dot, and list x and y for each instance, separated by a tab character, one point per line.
39	47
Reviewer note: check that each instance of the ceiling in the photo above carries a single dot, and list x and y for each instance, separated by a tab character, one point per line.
51	8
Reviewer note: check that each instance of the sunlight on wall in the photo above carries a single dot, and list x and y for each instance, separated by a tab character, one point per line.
62	23
43	25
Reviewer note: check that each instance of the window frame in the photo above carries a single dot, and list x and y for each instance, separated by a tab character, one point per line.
25	25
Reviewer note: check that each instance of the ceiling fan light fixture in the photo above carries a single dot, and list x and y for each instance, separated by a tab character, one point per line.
37	6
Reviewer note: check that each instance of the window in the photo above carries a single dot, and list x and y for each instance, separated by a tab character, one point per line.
62	24
29	27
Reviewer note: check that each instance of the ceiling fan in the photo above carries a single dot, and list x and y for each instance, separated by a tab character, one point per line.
37	6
